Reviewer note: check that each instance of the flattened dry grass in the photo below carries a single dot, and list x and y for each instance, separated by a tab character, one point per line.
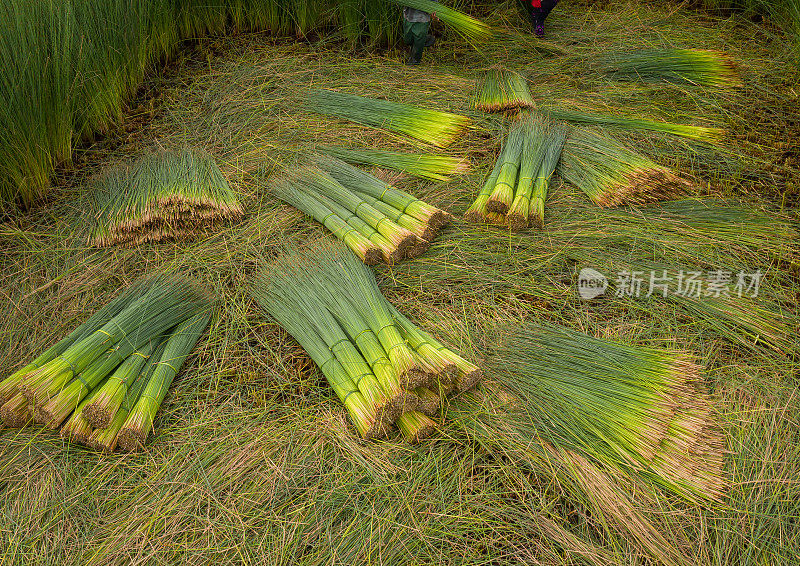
253	461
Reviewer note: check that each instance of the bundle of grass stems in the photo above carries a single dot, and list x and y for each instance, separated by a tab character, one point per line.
702	67
703	134
430	126
162	196
515	192
501	90
384	369
423	165
636	408
379	223
104	383
473	30
612	174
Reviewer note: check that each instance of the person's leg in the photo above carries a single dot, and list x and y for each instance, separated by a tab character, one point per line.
547	7
419	36
540	14
408	36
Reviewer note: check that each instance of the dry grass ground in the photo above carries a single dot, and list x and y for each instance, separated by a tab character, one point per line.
253	460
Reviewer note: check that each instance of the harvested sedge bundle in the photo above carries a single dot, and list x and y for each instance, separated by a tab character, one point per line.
384	372
179	345
164	303
702	67
503	193
554	145
105	439
697	133
424	165
377	221
477	212
161	196
502	89
431	126
533	152
636	408
100	359
612	174
359	181
9	387
473	30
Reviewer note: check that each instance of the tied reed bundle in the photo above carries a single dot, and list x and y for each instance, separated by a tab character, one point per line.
702	67
501	90
424	165
636	408
517	186
377	221
382	367
612	174
96	367
430	126
165	195
178	346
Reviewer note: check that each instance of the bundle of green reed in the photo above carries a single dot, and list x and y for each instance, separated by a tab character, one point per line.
377	221
165	195
636	408
518	185
473	30
612	174
382	367
424	165
502	89
431	126
702	67
97	366
703	134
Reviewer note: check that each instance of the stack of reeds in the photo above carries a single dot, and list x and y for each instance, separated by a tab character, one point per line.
515	191
384	369
501	90
636	408
380	223
613	174
162	196
703	134
430	126
702	67
423	165
103	384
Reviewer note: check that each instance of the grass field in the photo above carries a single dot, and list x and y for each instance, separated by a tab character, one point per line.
253	459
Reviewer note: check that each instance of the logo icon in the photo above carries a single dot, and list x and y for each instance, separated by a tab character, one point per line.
591	283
